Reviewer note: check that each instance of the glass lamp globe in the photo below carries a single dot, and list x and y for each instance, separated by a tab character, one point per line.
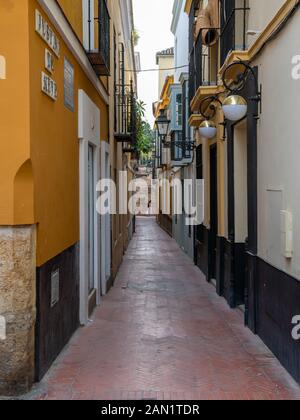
235	108
208	129
162	124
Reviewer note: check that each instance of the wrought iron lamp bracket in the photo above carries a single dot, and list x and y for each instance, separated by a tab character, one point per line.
166	144
209	103
237	85
189	146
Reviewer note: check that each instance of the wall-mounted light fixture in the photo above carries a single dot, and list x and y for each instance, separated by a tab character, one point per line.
234	106
208	129
208	109
162	124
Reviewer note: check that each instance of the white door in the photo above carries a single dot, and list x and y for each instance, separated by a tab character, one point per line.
91	219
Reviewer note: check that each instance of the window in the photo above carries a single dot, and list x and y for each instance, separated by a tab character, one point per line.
176	150
96	29
179	110
234	25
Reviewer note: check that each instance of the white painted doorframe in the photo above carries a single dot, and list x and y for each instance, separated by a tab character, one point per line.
105	223
89	135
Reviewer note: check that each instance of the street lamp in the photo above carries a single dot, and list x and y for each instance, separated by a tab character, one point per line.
208	129
162	124
235	108
208	109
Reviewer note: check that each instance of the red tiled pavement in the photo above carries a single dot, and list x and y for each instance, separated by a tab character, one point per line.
163	333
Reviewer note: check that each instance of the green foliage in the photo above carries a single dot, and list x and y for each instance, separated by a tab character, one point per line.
145	135
135	37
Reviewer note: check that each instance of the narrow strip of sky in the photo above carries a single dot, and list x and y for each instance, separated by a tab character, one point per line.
153	22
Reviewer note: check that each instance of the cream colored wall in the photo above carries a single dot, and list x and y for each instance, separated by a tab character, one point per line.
165	63
260	14
279	146
240	183
118	160
222	167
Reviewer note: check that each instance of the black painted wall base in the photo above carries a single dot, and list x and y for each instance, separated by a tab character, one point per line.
271	297
234	273
166	223
220	265
251	294
278	296
56	325
202	249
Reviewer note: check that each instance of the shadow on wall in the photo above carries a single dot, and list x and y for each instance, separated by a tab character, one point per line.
24	195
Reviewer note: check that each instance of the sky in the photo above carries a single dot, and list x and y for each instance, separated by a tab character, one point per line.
153	22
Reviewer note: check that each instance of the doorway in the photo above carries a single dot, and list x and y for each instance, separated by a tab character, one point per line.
91	221
240	176
106	241
89	244
212	246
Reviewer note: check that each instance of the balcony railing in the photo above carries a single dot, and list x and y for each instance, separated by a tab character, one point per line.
204	50
234	21
125	109
98	48
205	69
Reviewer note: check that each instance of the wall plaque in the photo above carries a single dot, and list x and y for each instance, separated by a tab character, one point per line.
69	85
49	61
49	86
46	33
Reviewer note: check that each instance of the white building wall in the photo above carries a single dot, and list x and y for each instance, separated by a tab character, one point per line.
279	147
260	14
180	29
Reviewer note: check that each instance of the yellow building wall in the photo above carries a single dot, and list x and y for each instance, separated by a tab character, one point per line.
73	11
39	147
14	109
55	149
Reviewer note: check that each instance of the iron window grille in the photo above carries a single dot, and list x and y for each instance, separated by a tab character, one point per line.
177	152
234	22
207	64
98	48
125	101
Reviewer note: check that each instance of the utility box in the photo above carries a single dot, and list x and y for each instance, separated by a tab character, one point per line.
287	245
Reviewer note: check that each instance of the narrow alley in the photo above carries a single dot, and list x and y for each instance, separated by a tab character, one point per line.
163	333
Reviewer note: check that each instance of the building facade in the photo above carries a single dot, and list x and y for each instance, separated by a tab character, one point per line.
58	139
248	243
181	147
165	61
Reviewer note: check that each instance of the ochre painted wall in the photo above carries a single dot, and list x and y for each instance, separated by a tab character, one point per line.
55	149
14	106
73	11
39	147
